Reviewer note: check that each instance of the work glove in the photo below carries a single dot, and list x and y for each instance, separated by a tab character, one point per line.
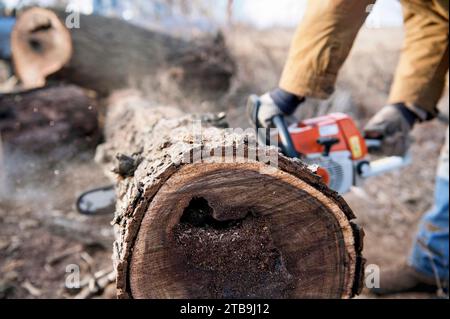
276	102
392	126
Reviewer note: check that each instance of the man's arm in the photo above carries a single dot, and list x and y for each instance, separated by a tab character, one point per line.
420	75
320	46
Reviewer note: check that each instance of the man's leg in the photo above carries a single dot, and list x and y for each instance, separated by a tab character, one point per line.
420	75
321	44
430	252
430	255
428	266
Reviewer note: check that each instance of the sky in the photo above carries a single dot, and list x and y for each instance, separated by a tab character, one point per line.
284	13
287	13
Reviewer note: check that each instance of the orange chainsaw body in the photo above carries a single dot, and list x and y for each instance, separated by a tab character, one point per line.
306	134
332	144
338	165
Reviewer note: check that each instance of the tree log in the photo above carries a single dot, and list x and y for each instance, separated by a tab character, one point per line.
110	54
220	228
41	46
46	119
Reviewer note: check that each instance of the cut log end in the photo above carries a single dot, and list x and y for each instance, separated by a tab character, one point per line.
229	231
226	224
41	45
246	262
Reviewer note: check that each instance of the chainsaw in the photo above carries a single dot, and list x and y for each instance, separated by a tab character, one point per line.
332	143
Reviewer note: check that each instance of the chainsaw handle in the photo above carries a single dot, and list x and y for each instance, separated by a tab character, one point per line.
382	165
373	144
287	146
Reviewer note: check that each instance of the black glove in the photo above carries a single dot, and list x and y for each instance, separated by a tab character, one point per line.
392	125
278	102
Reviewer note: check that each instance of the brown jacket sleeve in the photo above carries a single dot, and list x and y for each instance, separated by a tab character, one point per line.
321	44
323	41
420	77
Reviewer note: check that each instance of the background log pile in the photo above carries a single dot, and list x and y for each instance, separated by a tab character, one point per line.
45	119
106	54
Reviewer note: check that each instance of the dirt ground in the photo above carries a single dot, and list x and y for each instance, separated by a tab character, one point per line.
41	234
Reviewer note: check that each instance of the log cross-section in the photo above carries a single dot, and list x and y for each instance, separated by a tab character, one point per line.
215	228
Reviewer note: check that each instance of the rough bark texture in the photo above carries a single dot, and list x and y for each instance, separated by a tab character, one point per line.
110	54
220	228
45	119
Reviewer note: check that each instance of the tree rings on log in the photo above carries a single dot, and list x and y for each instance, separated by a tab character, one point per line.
226	231
41	46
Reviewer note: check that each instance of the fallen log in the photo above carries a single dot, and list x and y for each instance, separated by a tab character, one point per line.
46	119
105	54
220	226
41	45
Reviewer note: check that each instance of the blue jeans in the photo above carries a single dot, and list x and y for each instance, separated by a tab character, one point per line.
6	26
430	252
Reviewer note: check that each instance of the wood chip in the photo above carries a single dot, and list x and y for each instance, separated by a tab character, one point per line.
32	290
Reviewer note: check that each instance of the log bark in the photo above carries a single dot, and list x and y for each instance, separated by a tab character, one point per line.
43	120
110	54
220	228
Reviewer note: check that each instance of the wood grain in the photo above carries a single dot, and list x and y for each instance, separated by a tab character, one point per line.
283	220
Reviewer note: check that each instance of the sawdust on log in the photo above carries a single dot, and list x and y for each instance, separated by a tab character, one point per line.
231	259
